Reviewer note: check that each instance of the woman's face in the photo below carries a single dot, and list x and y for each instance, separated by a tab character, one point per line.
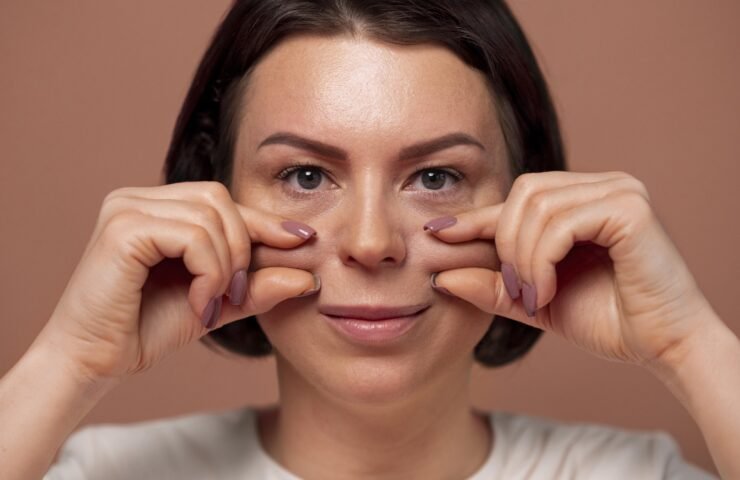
368	196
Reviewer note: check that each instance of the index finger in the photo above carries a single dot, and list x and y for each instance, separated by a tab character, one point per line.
273	230
480	223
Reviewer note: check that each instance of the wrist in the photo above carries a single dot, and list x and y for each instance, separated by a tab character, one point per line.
688	364
704	375
45	351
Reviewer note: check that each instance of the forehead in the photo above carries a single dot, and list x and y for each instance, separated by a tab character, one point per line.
357	91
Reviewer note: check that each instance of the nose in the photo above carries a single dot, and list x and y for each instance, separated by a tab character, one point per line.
371	235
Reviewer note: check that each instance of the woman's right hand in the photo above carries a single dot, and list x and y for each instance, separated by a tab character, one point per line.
156	258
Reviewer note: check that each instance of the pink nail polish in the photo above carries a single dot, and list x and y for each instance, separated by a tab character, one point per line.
529	298
437	287
299	229
316	288
510	280
212	312
440	223
238	287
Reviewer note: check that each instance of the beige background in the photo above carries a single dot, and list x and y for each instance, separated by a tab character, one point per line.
89	92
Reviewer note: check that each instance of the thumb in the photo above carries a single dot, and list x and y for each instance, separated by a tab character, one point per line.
485	289
266	288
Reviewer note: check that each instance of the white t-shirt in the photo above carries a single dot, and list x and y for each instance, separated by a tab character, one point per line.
225	445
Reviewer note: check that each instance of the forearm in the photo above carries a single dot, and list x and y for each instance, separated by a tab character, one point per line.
706	380
41	403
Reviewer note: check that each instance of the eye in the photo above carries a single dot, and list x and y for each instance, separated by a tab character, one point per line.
437	178
305	177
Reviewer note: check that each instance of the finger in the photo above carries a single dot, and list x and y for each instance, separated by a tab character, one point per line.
540	207
274	230
240	225
526	186
611	222
195	213
485	289
266	288
148	240
261	227
480	223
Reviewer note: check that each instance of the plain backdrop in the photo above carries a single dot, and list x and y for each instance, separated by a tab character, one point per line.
89	92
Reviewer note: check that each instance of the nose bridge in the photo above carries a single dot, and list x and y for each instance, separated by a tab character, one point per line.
373	235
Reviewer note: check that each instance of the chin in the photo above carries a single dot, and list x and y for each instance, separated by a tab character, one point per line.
376	380
312	356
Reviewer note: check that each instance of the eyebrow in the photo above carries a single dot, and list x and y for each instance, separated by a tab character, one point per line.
416	150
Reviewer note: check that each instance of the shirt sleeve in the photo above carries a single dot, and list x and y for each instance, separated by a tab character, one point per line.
675	466
71	458
647	455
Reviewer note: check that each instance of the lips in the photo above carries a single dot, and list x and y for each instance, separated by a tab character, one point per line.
371	312
373	325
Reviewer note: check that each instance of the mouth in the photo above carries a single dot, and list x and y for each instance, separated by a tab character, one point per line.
372	324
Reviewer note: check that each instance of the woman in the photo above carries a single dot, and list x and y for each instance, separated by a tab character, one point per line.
379	189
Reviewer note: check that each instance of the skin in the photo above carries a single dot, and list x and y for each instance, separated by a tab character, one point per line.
585	256
623	291
371	411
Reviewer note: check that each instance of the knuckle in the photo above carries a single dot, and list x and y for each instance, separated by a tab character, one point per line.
112	204
558	225
639	211
620	174
539	204
637	203
640	187
120	223
525	183
214	192
116	193
117	228
199	235
634	183
206	216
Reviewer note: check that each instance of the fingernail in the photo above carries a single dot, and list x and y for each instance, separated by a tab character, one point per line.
212	312
316	288
439	223
510	280
529	294
300	229
238	287
432	280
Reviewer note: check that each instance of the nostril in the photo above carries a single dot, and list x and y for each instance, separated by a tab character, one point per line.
369	261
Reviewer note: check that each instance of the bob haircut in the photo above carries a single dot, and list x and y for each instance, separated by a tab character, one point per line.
483	33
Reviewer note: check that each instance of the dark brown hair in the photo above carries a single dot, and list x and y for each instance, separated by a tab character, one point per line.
483	33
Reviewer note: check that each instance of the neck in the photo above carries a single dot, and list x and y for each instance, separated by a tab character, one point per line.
430	433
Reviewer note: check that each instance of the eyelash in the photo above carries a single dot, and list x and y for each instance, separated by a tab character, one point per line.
285	173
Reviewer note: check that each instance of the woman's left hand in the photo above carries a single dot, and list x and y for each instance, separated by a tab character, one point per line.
603	272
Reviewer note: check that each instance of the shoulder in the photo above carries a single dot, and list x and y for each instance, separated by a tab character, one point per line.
591	450
151	449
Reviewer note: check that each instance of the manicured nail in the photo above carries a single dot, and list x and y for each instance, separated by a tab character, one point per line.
212	312
529	294
510	280
238	287
439	223
316	288
300	229
433	279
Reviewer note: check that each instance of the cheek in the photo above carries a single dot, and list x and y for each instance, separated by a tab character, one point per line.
424	253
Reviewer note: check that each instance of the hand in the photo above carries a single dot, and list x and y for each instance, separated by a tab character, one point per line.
602	271
132	298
